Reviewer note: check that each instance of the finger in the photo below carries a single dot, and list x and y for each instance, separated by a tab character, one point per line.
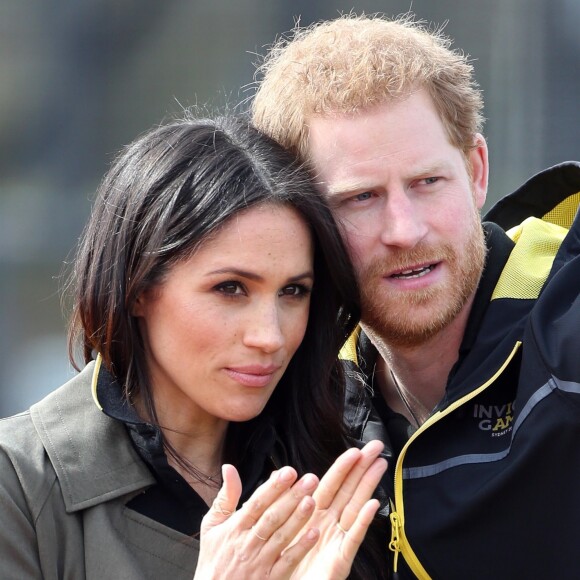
278	483
294	554
373	448
226	500
354	537
288	513
291	529
363	492
335	477
349	487
338	485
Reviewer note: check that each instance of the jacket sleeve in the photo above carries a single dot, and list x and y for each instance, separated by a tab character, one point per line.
19	555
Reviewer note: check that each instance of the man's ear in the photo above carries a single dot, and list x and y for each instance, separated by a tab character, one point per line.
478	160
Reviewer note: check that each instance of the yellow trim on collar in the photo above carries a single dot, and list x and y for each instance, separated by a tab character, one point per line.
95	380
348	351
530	262
563	214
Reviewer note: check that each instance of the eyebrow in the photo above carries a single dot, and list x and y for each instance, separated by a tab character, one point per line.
432	168
256	277
362	186
347	187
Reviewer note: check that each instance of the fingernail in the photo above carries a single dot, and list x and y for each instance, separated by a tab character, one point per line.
285	474
311	534
309	481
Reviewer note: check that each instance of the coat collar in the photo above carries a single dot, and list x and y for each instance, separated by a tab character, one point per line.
91	453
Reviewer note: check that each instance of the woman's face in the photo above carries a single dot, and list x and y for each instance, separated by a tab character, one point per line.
221	328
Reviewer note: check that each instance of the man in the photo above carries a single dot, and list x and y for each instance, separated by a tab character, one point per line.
468	361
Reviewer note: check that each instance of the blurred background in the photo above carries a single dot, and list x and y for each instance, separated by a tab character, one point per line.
81	78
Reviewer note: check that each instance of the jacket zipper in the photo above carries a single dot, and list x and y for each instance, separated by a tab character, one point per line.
399	543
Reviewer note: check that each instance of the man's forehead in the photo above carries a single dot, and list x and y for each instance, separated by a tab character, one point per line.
327	137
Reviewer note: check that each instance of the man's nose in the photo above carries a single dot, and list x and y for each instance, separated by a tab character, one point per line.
402	223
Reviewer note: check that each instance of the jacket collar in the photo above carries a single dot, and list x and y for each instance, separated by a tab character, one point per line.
552	195
499	248
91	453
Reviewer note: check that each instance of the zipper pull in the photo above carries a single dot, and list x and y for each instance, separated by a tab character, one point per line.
394	544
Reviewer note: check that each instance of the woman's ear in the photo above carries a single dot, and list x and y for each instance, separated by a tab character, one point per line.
479	165
138	307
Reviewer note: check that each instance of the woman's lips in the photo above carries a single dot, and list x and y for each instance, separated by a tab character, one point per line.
252	375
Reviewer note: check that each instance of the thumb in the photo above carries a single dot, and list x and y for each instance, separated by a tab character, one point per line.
226	501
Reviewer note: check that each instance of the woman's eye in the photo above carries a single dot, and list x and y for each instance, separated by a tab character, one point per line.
295	290
230	288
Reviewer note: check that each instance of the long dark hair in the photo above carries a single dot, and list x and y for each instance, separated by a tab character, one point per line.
163	196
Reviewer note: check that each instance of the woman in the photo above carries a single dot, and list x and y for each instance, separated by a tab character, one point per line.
212	294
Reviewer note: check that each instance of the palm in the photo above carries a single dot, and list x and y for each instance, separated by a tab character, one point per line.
343	513
327	558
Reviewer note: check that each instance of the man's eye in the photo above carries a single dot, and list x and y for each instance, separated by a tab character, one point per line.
230	288
430	180
364	196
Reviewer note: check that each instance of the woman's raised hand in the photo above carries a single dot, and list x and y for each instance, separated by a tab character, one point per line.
344	511
292	529
266	537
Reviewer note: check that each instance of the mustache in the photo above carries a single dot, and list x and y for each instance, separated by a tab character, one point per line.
402	259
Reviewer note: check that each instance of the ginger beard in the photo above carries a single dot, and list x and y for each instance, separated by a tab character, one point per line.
411	317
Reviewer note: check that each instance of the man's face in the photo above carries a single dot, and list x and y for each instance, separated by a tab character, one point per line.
409	211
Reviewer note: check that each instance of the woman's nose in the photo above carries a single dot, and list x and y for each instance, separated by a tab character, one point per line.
264	330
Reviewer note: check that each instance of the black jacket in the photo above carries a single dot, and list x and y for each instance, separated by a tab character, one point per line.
488	486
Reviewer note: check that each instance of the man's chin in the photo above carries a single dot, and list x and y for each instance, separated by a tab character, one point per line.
402	337
411	325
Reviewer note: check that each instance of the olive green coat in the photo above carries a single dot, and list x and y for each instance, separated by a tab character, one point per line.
66	472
